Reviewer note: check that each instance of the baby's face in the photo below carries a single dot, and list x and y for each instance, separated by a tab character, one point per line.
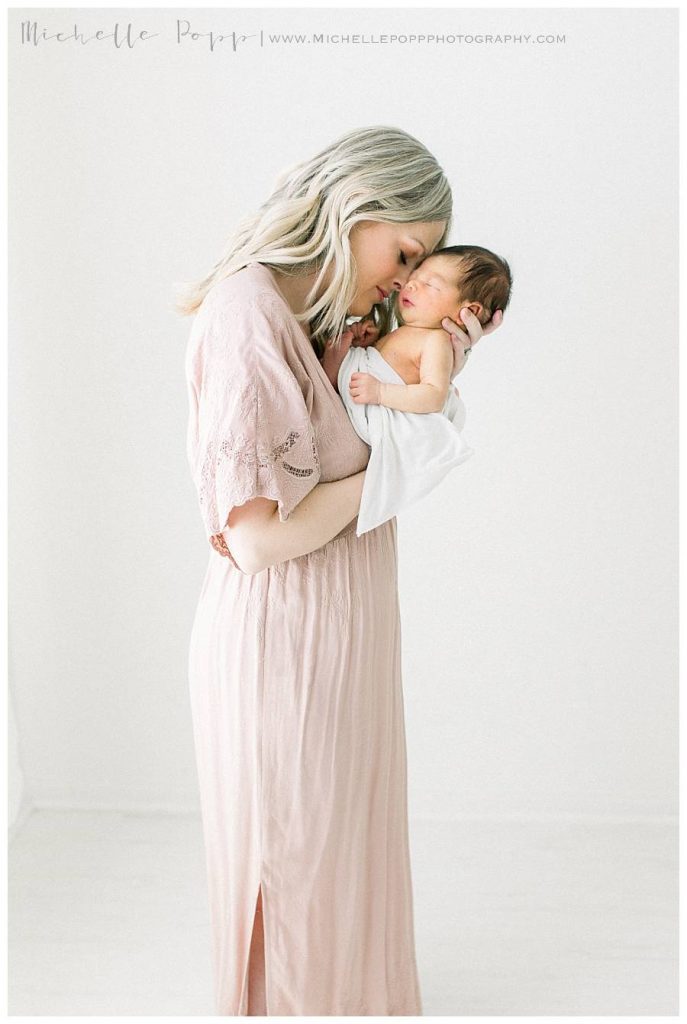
431	293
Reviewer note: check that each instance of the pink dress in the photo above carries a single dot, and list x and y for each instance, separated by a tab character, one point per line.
295	686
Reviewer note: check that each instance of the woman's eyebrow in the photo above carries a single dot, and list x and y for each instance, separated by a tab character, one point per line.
424	251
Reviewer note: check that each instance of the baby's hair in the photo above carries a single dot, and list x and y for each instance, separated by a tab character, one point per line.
484	277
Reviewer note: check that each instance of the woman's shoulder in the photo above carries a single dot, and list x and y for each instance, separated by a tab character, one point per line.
246	290
242	314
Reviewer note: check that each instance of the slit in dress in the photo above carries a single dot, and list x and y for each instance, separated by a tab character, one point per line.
255	981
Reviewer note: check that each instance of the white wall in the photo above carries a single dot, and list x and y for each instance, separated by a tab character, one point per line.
539	589
19	801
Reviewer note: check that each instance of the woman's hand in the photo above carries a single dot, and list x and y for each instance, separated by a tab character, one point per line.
475	330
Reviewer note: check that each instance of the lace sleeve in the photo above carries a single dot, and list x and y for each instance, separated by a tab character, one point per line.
249	431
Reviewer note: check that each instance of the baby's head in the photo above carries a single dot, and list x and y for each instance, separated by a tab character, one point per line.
450	279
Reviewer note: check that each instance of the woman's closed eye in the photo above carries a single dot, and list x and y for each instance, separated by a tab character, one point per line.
404	260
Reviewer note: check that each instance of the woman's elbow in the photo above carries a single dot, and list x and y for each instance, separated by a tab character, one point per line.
246	532
248	565
244	552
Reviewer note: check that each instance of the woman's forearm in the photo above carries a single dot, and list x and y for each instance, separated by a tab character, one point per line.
412	397
317	519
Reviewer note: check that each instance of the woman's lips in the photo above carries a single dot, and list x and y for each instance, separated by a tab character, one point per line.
382	293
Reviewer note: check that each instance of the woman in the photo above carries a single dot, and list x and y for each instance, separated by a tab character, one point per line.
295	659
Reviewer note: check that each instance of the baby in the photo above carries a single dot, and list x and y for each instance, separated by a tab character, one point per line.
420	350
384	382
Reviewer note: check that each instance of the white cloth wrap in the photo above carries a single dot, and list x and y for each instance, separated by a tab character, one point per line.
410	452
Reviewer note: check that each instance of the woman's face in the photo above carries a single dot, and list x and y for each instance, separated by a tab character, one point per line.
386	254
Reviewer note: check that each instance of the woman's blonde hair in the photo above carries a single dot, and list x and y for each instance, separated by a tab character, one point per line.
374	173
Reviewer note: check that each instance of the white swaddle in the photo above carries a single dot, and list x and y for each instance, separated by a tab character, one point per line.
410	452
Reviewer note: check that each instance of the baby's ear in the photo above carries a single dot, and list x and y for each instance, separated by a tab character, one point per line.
477	308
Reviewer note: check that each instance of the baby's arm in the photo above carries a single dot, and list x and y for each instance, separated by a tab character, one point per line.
364	332
436	363
333	358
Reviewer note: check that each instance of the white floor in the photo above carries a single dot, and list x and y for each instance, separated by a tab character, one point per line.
108	916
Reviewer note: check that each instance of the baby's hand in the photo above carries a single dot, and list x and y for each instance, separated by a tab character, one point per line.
365	389
365	333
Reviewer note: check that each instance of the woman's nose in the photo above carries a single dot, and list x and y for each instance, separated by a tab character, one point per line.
401	280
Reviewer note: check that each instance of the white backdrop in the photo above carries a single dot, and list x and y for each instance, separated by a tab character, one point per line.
539	582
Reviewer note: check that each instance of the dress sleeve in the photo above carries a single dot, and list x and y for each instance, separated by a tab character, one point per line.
249	430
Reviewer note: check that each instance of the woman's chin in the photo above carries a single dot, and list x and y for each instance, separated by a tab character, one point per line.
360	307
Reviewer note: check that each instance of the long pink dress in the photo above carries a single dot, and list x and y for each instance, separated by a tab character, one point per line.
295	686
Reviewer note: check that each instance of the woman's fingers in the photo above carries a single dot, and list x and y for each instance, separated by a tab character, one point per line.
451	329
460	341
496	321
472	326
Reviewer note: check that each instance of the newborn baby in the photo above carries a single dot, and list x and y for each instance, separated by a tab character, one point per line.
386	384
